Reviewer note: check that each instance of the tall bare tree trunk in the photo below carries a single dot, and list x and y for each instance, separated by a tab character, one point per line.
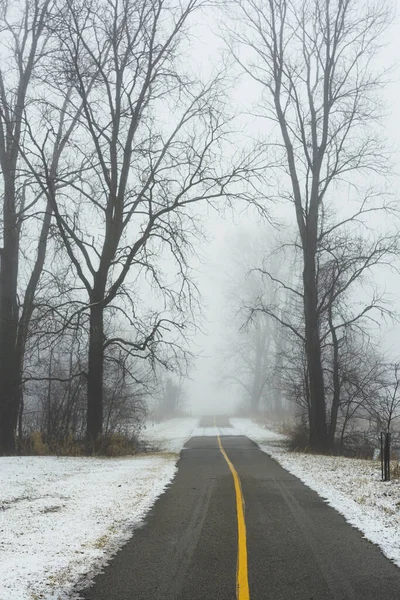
28	306
318	429
336	382
9	381
95	375
26	33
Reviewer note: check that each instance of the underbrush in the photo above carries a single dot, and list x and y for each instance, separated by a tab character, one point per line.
285	427
395	470
118	445
114	445
36	444
357	444
298	436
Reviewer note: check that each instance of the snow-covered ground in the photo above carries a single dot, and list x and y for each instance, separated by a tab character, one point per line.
169	436
62	518
353	487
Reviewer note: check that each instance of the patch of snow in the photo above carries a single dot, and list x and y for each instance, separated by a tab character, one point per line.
256	432
61	519
171	435
352	486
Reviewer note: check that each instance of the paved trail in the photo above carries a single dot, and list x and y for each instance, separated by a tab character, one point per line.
295	546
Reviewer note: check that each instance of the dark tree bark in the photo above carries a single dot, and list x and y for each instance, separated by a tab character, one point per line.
95	375
9	376
318	431
336	381
29	39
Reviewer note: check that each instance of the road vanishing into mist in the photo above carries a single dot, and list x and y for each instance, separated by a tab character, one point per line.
234	524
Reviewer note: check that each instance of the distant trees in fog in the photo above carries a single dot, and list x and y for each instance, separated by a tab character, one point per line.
253	343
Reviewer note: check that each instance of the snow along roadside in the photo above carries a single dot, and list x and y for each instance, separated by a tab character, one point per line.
61	519
351	486
169	436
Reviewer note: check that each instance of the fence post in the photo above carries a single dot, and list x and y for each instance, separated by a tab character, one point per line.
385	455
388	456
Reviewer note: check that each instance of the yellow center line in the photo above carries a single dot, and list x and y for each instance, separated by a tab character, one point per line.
242	579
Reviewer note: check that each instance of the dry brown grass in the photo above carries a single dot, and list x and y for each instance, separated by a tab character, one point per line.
395	470
112	446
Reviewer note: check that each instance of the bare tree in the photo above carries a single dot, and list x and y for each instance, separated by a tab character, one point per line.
348	256
172	399
55	388
312	59
247	345
262	338
24	40
347	262
385	406
138	176
246	359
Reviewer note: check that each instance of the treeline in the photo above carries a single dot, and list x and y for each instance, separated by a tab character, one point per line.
108	140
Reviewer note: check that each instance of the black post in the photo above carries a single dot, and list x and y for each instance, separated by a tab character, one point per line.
388	456
385	455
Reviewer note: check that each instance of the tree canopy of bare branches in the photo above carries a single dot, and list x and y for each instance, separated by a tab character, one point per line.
313	62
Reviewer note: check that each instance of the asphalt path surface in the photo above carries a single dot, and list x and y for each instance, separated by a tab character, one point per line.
298	548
